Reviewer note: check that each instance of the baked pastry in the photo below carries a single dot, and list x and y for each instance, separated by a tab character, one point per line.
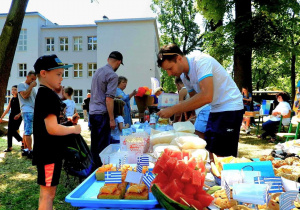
290	160
100	173
266	158
286	169
278	163
112	191
137	192
274	201
225	203
239	207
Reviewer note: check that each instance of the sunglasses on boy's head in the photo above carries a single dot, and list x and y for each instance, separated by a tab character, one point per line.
161	55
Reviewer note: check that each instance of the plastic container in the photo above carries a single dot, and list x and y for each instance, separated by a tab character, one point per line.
85	196
146	115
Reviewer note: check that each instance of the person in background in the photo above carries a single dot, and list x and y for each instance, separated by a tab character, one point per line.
49	135
122	83
283	108
120	122
26	95
71	106
85	108
155	95
247	98
207	83
60	92
15	118
183	95
103	92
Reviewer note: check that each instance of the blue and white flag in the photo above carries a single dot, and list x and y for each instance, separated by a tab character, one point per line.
227	190
113	177
143	161
148	178
275	183
286	200
139	168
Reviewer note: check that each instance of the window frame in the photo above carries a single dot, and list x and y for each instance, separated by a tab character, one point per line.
22	70
7	96
78	99
65	44
50	45
93	44
22	38
77	44
91	70
77	70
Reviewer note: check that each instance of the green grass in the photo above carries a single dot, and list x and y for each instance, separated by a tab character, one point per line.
18	187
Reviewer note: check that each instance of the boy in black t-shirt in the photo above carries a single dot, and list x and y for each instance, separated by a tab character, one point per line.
48	133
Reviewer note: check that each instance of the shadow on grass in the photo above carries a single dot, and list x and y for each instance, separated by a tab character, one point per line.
18	187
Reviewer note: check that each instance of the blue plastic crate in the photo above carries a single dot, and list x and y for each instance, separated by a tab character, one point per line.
85	196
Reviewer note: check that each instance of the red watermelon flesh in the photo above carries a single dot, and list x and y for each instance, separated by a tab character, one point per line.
197	178
200	190
186	176
168	151
201	165
205	199
160	178
186	153
176	175
177	154
178	195
192	163
171	189
189	189
195	203
179	183
170	165
157	169
181	167
162	160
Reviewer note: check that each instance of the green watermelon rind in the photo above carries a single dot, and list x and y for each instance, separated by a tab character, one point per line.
167	202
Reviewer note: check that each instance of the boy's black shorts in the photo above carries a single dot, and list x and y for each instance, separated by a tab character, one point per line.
48	175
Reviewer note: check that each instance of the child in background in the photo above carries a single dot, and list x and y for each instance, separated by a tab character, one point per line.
71	107
118	112
49	135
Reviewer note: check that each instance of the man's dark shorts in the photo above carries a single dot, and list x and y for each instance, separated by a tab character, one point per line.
223	132
48	175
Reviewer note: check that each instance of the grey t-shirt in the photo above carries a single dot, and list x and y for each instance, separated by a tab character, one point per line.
26	105
104	84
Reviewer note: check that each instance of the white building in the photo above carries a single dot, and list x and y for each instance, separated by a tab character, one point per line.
87	47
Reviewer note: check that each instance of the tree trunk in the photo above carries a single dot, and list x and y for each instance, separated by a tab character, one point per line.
9	40
243	44
293	76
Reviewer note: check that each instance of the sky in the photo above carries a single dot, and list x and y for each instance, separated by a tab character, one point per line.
73	12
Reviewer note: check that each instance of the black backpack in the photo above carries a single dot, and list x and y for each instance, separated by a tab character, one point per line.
77	158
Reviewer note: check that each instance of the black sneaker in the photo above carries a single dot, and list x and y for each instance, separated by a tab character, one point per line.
25	152
30	153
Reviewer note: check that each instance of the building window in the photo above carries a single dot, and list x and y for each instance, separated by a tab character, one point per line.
92	67
22	69
22	42
50	44
78	96
7	97
66	72
88	91
63	44
92	43
77	69
78	43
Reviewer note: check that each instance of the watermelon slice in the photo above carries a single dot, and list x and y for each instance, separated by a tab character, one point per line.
160	178
178	195
192	163
177	154
205	199
170	165
168	151
200	165
162	160
181	166
157	169
195	203
189	189
197	178
179	183
171	189
186	153
186	176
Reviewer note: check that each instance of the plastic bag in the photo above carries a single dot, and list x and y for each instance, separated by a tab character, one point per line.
186	127
159	148
162	138
190	142
203	153
251	193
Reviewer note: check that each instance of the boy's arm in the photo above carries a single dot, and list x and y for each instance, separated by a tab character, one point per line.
55	129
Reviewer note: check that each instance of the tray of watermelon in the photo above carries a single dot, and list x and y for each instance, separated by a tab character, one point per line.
179	181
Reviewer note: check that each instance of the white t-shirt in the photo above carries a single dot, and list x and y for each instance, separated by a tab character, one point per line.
227	96
284	108
26	105
116	133
70	109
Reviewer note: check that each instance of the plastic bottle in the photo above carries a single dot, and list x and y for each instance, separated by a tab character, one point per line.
153	120
146	115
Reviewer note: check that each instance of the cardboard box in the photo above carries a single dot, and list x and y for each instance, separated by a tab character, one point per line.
167	100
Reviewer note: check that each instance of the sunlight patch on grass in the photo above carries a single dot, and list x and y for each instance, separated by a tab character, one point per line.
2	156
20	176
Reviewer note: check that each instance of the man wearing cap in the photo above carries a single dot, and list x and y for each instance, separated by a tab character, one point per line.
207	83
103	91
26	97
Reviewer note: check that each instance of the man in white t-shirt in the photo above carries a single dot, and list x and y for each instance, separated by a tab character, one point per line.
208	83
